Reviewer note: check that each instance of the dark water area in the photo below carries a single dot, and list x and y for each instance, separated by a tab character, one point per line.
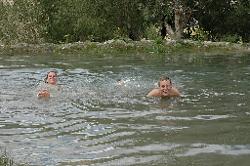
94	121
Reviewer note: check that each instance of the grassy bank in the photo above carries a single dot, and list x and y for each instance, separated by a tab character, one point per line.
114	47
5	160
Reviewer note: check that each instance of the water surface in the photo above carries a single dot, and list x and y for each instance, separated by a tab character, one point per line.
97	122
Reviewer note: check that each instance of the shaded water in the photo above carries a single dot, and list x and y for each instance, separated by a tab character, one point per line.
96	122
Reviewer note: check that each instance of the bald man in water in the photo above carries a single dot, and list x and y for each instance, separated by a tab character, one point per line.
165	89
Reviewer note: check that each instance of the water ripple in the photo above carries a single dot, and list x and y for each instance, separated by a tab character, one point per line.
199	148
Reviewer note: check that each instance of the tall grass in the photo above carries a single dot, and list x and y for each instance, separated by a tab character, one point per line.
19	22
5	160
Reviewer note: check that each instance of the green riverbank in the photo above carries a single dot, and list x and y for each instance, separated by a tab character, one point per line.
123	47
5	161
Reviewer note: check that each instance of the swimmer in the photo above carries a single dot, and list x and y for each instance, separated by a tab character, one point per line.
120	82
164	89
50	83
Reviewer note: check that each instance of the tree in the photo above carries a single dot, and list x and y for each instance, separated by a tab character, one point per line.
171	15
19	22
224	17
124	15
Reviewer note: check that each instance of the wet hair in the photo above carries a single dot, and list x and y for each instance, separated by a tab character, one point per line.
45	79
164	78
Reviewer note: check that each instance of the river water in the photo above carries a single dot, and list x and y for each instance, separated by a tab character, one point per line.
94	121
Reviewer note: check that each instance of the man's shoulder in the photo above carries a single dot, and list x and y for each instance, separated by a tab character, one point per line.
154	92
175	92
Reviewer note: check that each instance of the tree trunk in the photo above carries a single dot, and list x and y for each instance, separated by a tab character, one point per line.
169	30
175	26
179	22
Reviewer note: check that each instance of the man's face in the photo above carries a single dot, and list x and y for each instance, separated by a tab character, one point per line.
165	87
52	78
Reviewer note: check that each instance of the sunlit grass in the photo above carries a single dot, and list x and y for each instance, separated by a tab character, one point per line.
122	47
5	160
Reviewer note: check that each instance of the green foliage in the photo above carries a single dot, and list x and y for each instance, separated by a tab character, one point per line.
119	34
231	38
5	160
59	19
158	41
127	16
224	17
159	46
151	32
19	22
63	21
92	29
199	34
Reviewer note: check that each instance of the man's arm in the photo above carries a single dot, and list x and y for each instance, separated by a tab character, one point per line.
43	93
175	92
153	93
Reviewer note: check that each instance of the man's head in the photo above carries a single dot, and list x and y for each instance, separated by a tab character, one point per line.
51	78
165	85
120	82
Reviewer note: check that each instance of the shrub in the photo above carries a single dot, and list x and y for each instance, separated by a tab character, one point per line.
152	33
19	22
5	160
234	38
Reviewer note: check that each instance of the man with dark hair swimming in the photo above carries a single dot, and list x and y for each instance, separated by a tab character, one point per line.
165	89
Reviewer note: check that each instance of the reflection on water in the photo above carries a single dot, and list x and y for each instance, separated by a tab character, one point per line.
198	148
95	121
